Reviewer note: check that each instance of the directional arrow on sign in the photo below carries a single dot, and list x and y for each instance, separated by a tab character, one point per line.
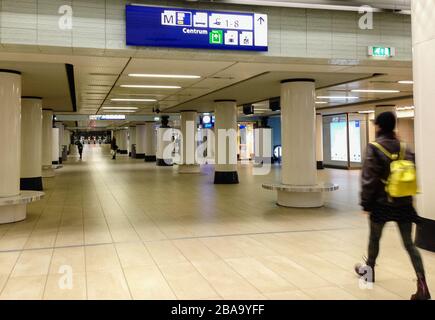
261	20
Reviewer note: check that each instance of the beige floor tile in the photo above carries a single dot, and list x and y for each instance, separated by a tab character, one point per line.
401	287
148	283
107	285
164	253
187	282
195	250
225	280
24	288
32	263
264	279
133	254
101	257
7	261
73	257
57	288
376	293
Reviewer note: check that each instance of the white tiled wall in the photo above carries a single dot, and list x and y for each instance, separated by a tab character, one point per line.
100	24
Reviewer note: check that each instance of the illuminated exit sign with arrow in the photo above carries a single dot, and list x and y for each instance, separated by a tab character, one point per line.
382	52
184	28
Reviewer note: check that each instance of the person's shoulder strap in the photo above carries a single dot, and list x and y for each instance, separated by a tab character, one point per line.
402	154
384	151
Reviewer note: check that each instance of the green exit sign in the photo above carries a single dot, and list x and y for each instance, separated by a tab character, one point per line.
382	52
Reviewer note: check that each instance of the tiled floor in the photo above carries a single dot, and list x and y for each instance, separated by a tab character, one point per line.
131	230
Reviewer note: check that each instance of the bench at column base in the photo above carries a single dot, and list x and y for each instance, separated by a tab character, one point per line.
425	235
13	209
31	184
140	156
301	196
189	168
164	162
48	172
122	151
226	177
150	158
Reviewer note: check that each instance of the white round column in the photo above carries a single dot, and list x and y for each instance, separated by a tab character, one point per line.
31	144
10	131
47	144
423	34
188	149
61	139
131	141
226	148
150	142
55	147
123	141
319	141
298	136
163	160
140	141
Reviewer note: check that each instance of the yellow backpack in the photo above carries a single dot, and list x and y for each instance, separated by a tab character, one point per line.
402	181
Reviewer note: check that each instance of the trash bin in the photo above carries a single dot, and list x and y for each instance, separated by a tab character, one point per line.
64	153
133	151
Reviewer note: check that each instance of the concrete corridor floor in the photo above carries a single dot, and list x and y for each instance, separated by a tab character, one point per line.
126	229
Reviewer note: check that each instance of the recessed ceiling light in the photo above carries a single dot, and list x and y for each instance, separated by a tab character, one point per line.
406	82
142	86
132	100
374	91
167	76
337	97
120	108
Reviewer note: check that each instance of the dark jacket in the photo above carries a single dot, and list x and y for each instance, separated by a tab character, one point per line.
376	168
113	145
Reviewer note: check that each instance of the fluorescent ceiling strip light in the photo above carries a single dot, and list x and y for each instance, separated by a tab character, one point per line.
374	91
406	82
166	76
368	111
321	102
120	108
337	97
119	111
132	100
148	86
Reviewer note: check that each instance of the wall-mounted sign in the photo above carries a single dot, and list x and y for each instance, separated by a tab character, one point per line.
185	28
382	52
107	117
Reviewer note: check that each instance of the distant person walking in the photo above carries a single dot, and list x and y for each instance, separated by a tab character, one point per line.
79	145
114	148
381	197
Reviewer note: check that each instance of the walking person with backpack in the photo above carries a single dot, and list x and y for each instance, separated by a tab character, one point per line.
388	186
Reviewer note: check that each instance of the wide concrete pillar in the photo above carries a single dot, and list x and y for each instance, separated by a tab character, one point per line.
140	141
226	142
423	38
164	157
298	135
10	131
131	141
55	146
31	144
188	162
123	141
319	141
47	143
150	142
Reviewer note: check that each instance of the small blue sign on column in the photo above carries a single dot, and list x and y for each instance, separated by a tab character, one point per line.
185	28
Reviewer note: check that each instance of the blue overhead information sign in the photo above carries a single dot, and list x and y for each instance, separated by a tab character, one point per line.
183	28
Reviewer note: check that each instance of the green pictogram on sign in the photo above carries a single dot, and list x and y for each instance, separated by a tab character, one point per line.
216	37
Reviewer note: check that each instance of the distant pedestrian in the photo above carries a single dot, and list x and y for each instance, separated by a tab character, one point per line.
79	145
388	186
114	148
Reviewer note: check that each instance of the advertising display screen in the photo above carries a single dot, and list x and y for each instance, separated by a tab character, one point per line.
355	141
185	28
339	139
